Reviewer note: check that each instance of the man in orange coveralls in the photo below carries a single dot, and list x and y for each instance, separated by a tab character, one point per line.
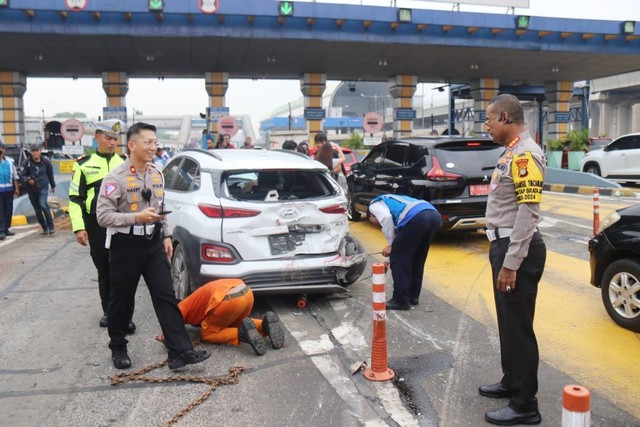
221	308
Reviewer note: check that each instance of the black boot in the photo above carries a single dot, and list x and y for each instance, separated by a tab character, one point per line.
271	326
120	358
248	333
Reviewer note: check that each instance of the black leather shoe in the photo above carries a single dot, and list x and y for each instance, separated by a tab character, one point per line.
415	301
392	305
494	391
509	417
9	233
131	328
271	326
188	357
103	321
248	333
120	358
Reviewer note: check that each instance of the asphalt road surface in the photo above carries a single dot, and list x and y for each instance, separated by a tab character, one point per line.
56	368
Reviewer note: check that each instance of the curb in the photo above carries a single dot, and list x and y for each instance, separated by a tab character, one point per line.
588	190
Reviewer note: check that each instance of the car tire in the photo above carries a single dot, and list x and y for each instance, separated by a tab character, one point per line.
621	293
592	168
352	213
180	274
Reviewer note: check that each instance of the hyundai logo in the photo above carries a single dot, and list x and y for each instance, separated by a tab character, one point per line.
288	213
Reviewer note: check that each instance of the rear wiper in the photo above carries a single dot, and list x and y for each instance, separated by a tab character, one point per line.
486	168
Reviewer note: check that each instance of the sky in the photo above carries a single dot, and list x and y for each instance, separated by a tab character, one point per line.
188	96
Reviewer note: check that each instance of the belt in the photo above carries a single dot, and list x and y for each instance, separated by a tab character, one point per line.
237	294
498	233
135	230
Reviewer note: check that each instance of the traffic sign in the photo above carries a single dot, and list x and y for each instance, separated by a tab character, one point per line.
227	124
73	150
72	130
156	5
119	113
76	5
314	114
285	8
562	117
371	140
372	122
217	112
208	6
405	113
522	22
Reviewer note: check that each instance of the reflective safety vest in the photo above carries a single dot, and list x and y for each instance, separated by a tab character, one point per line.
86	178
7	175
400	207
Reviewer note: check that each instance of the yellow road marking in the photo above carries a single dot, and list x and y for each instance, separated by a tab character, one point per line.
575	334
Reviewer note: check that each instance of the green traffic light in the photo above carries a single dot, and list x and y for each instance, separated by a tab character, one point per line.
156	5
523	22
286	8
4	3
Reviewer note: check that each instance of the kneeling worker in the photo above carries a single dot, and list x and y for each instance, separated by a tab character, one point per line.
409	226
221	308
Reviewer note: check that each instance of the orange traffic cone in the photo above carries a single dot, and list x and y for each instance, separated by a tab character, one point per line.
379	370
576	406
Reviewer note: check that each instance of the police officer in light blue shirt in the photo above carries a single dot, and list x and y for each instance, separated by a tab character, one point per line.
409	226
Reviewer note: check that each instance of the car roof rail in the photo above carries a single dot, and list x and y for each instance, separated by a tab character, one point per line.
296	153
200	150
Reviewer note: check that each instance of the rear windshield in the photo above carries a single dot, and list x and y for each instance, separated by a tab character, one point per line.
469	156
273	185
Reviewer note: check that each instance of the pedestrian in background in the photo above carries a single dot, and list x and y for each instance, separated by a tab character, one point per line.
161	158
221	308
517	255
303	148
130	204
289	145
210	144
409	225
37	175
248	145
86	178
9	189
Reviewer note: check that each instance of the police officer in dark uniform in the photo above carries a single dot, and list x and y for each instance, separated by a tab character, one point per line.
409	226
517	256
87	175
130	205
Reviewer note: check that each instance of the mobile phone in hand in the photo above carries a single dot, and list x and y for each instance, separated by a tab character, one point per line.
164	212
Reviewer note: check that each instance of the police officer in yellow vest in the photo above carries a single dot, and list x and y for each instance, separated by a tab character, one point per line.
87	175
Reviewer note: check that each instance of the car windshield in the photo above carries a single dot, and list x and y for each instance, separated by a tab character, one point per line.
273	185
472	156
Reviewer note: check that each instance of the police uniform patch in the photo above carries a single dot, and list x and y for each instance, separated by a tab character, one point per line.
527	178
132	170
133	207
109	188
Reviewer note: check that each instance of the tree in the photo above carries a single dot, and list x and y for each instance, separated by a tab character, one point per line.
354	142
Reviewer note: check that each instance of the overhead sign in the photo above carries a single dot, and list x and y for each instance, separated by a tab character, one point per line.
562	117
208	6
405	113
72	130
156	5
76	5
119	113
285	8
314	114
4	3
372	122
522	22
500	3
227	124
217	112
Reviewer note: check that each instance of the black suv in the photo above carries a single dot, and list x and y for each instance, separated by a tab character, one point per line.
451	173
615	266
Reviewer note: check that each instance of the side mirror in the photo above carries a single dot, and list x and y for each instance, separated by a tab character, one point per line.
355	167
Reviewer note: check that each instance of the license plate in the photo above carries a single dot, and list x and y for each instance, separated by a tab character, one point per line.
284	243
479	190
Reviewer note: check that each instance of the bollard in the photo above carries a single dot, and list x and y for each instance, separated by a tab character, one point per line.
596	210
379	370
576	406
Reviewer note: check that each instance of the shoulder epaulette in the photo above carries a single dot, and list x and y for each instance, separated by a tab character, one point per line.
124	157
83	158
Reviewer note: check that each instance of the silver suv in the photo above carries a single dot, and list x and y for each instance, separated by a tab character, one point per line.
275	219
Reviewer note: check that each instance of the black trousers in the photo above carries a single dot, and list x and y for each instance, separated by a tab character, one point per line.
409	253
518	345
131	257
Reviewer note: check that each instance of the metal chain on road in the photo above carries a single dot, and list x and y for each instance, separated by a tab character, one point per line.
233	377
